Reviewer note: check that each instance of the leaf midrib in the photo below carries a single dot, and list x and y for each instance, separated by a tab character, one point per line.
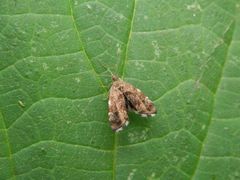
120	70
83	48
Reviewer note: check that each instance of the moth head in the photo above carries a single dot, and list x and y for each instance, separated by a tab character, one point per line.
115	78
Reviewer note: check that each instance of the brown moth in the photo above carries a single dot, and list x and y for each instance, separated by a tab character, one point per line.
125	97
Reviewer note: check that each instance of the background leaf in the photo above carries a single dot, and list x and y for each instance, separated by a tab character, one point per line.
54	56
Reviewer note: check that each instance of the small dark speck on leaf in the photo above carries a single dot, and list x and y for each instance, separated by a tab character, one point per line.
43	151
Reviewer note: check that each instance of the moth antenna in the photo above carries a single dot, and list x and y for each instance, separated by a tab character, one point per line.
114	77
110	71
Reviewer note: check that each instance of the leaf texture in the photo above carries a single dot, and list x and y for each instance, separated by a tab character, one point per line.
183	54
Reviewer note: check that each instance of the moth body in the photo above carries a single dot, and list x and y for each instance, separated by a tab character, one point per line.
124	97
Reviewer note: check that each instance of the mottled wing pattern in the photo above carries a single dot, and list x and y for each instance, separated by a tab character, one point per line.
136	100
124	97
118	116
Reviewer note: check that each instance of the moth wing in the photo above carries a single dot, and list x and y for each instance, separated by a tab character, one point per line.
117	110
137	101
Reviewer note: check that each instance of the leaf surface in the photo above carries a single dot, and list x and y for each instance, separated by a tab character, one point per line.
54	79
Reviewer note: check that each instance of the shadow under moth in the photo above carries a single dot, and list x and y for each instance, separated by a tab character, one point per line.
124	97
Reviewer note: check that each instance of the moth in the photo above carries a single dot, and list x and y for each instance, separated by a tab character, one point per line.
124	97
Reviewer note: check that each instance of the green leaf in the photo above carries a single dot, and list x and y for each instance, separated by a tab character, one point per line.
54	80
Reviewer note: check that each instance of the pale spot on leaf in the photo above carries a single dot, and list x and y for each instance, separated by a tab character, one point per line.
194	7
131	174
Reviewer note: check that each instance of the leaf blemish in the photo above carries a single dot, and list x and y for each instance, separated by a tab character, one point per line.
131	174
77	79
139	65
194	7
45	66
203	127
89	6
21	103
119	50
156	48
135	137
